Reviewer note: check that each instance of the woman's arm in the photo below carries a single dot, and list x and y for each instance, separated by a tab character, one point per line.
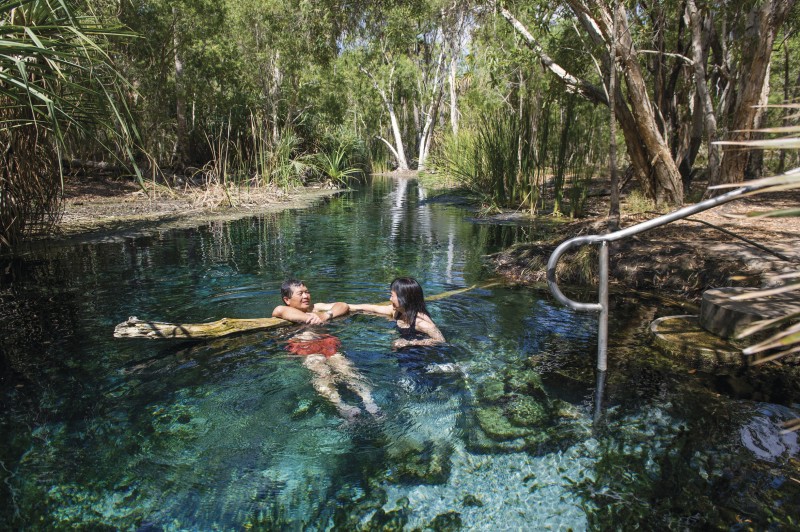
424	325
382	310
331	310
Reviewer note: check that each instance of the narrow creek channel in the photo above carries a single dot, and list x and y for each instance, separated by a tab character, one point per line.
497	429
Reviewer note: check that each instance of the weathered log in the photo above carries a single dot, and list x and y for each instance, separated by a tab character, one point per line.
133	327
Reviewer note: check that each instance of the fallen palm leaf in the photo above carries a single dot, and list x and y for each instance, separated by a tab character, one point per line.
781	213
766	324
767	292
776	144
776	356
790	177
784	338
791	426
783	129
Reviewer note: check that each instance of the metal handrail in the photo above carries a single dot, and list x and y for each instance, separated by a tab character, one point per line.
602	241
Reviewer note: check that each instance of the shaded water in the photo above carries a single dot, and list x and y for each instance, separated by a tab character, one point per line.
498	429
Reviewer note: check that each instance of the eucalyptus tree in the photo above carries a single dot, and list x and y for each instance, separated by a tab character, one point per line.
175	66
646	145
690	74
59	93
748	86
381	45
409	52
246	77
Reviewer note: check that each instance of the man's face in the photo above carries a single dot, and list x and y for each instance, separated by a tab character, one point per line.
301	299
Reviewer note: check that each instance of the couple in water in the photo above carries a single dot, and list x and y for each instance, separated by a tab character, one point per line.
321	351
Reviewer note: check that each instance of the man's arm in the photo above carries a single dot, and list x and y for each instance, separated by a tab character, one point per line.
297	316
320	313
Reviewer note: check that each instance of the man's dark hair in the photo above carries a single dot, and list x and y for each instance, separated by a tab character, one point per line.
410	298
288	286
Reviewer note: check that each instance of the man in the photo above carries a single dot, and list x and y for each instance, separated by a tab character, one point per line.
321	351
299	309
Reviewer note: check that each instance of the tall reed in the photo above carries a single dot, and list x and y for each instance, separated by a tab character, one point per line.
510	157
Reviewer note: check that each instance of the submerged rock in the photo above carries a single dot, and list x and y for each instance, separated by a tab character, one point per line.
446	522
472	500
395	519
425	463
525	411
496	425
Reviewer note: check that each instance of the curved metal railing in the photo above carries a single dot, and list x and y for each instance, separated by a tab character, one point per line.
603	240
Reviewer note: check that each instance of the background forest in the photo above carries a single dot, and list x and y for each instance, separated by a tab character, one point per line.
510	100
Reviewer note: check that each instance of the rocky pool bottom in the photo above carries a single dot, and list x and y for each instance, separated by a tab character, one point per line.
522	447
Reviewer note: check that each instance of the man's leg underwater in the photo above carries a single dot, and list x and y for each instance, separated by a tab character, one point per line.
354	380
325	385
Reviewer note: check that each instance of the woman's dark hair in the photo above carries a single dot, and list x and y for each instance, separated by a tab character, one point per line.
410	298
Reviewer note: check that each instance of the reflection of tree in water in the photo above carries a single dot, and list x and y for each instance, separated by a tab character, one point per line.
410	217
35	323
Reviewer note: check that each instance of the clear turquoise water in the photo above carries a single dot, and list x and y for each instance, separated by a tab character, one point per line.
496	430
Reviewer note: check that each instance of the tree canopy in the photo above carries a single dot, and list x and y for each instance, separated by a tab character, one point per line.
258	90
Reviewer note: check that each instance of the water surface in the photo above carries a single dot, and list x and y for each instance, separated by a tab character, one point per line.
498	429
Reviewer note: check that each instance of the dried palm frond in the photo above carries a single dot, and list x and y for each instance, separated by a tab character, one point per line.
785	330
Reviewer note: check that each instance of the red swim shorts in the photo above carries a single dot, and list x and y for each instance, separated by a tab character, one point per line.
324	345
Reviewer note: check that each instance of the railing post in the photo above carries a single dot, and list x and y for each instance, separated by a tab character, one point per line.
603	240
602	326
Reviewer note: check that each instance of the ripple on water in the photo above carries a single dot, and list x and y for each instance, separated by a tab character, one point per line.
508	491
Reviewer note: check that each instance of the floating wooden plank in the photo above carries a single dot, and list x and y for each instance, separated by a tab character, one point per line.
133	327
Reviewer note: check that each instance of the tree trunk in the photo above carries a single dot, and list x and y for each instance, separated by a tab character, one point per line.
667	185
763	23
649	153
402	163
397	149
786	100
181	155
613	206
788	97
453	96
755	163
432	113
699	65
277	80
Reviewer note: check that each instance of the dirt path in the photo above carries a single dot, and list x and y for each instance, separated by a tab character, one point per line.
683	258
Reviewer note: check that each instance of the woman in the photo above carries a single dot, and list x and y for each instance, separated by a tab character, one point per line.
408	309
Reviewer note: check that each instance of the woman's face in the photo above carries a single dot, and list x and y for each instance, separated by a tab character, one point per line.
393	299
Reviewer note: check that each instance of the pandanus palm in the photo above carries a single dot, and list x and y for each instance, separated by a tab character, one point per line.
57	88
